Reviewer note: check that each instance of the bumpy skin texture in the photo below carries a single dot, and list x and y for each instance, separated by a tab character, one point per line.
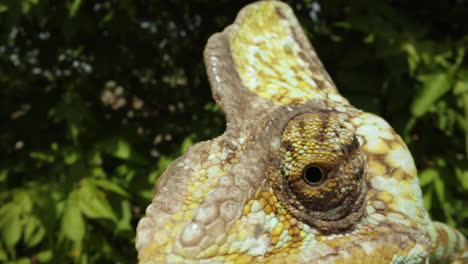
299	176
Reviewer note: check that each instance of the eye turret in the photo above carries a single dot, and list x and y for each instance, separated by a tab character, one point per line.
322	171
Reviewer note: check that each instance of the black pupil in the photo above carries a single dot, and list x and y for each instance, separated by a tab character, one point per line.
313	175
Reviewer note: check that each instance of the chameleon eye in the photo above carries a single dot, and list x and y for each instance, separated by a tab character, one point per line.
313	175
322	171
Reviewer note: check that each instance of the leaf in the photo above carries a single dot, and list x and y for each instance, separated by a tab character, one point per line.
465	99
73	225
440	192
93	202
43	156
33	231
74	131
3	175
45	256
413	57
3	255
124	223
22	261
440	189
3	8
462	176
427	176
122	150
117	147
26	5
162	164
146	194
461	89
427	197
110	186
10	224
186	144
70	155
435	85
461	85
154	175
74	7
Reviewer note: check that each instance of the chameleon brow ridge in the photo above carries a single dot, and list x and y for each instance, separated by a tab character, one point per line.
239	197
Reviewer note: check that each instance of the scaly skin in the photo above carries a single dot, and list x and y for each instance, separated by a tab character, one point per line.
245	197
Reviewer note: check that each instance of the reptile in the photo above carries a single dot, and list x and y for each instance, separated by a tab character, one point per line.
299	175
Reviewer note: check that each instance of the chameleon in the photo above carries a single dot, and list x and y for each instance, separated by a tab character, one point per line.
299	175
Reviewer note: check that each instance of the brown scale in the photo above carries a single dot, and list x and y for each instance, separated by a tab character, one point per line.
323	169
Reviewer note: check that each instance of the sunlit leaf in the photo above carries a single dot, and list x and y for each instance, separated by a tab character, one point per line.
428	197
186	144
110	186
462	176
162	164
146	194
33	231
73	225
45	256
3	8
118	147
70	155
122	150
43	156
93	203
74	7
461	89
124	221
413	57
23	261
427	176
465	100
461	85
435	85
439	189
10	224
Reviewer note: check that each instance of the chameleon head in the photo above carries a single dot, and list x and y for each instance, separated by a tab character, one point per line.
299	176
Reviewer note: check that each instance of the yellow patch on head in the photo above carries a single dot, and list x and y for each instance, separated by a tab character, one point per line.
376	168
272	62
400	157
377	146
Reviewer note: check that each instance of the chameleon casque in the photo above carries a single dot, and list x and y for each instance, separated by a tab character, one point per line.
299	176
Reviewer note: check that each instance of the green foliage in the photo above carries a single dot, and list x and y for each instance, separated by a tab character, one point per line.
97	98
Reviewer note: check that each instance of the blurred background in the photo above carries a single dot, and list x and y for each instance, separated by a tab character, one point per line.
97	98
